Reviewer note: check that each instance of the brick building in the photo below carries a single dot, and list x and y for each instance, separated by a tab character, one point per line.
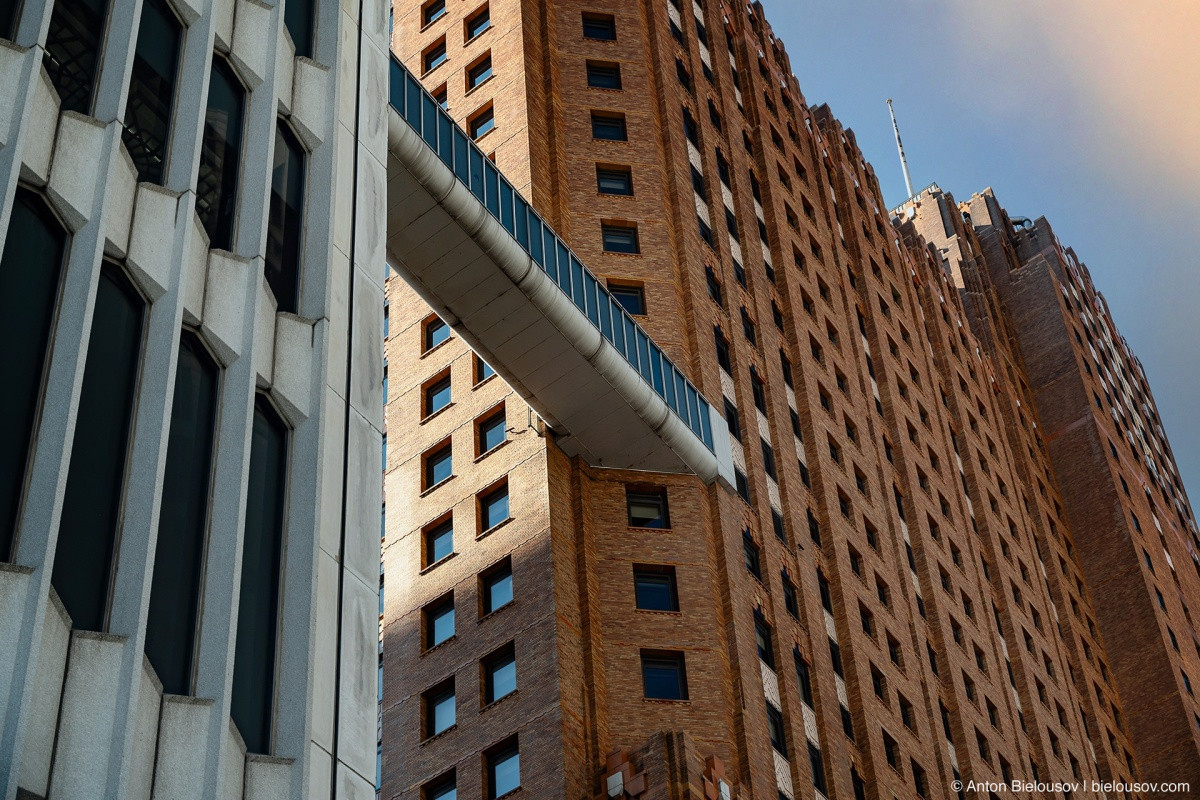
868	572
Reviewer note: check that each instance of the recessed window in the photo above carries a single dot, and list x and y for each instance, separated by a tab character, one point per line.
434	333
620	238
496	587
439	466
817	765
432	11
441	95
631	298
491	432
285	222
444	788
438	618
73	50
647	508
600	26
664	675
790	601
478	22
435	56
493	508
298	17
438	706
603	75
614	180
503	768
483	122
500	674
437	541
220	156
436	396
776	729
751	554
479	72
609	126
152	90
654	587
483	370
763	640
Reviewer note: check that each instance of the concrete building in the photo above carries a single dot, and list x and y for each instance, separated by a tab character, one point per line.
854	563
191	292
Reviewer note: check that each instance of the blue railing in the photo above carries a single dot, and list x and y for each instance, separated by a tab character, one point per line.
452	145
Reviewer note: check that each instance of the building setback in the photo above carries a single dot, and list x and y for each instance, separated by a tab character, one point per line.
891	579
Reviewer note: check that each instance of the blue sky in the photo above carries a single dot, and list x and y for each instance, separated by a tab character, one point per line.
1084	112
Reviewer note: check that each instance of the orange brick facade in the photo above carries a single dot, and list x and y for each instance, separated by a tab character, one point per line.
914	462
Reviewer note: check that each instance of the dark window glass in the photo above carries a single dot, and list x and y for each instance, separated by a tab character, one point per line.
479	72
286	223
258	605
183	519
482	122
73	50
496	587
438	466
599	26
762	639
631	298
8	18
790	601
503	769
500	674
439	703
439	542
654	588
818	768
776	730
614	181
751	555
664	676
152	90
647	509
491	432
608	126
439	621
731	420
493	508
722	347
804	678
479	23
437	396
432	11
714	286
298	17
96	477
436	332
603	76
620	239
220	156
29	272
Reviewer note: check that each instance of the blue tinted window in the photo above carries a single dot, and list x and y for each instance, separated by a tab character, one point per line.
493	508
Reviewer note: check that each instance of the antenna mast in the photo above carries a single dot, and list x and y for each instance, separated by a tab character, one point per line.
900	147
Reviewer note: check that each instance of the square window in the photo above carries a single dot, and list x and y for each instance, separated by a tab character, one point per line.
620	238
438	466
503	769
483	122
493	508
632	298
603	75
435	56
654	587
664	675
614	180
438	706
600	26
477	23
496	587
432	11
500	674
479	72
436	396
609	126
647	508
434	333
439	621
492	432
438	541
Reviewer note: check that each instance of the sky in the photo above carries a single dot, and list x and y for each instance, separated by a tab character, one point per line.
1082	111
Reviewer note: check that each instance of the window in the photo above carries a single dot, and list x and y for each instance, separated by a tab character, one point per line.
436	396
30	267
285	224
599	26
664	675
768	455
477	23
152	90
73	50
500	674
620	238
759	392
722	346
439	466
183	519
491	432
479	72
818	768
763	640
776	730
603	75
483	370
435	56
609	126
891	750
444	788
654	587
481	123
438	707
803	677
96	475
714	285
614	180
750	554
731	420
503	768
438	619
432	11
441	97
220	156
258	604
434	333
748	327
496	587
493	508
438	541
647	508
632	298
790	601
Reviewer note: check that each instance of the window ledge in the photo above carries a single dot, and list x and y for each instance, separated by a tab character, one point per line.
438	646
434	21
512	793
484	381
665	701
485	135
439	735
432	70
487	453
606	88
644	528
622	255
494	528
496	611
438	563
428	417
477	36
437	486
440	344
495	703
659	611
483	82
